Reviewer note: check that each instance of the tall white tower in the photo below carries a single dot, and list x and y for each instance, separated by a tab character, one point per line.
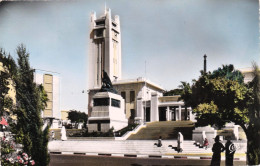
104	48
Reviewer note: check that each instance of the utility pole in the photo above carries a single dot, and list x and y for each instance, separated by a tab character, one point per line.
145	92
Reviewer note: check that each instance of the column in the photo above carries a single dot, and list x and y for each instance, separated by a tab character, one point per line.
140	111
99	72
176	114
179	118
191	116
154	108
168	114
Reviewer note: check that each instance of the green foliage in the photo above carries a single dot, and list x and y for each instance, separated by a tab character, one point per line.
122	131
173	92
77	116
218	98
222	96
31	100
85	133
6	103
228	72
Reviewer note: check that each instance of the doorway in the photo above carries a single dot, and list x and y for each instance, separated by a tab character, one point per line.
162	113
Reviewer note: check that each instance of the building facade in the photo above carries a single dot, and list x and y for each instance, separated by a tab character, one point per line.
51	84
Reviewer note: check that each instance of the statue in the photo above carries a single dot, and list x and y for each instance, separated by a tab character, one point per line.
107	84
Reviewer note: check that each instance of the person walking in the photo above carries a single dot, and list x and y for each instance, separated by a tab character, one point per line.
63	134
230	151
217	149
180	142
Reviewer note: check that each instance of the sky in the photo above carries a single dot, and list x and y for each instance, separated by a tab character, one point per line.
169	36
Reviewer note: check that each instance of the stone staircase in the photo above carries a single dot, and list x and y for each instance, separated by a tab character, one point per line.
190	147
167	129
128	147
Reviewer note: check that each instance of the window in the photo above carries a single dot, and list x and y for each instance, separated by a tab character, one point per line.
132	96
115	103
123	95
114	24
132	116
99	126
99	33
101	102
100	22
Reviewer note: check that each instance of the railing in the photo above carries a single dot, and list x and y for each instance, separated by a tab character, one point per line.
127	134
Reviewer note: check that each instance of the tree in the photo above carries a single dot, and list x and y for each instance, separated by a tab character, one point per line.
77	117
31	100
6	75
173	92
10	155
221	97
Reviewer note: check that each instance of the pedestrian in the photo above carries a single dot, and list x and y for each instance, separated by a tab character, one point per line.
230	151
217	149
63	134
159	143
180	142
206	143
52	135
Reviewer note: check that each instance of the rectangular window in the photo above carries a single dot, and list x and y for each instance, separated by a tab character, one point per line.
100	22
123	95
115	103
132	96
101	102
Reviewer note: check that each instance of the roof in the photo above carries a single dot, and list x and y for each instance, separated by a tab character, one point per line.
138	80
246	70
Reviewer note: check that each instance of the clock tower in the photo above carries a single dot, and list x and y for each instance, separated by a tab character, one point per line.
104	48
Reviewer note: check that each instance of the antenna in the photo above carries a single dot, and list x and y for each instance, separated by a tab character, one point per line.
145	68
105	7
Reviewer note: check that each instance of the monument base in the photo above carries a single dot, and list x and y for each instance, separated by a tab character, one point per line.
108	112
208	132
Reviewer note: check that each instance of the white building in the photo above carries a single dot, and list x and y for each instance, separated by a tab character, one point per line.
144	100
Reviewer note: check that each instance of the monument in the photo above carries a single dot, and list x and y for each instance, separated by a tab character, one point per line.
108	108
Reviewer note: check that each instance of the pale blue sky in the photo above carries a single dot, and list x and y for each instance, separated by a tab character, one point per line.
170	35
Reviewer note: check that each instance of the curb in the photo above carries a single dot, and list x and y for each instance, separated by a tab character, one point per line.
141	156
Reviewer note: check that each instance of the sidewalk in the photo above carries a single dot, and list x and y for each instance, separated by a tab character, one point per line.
133	148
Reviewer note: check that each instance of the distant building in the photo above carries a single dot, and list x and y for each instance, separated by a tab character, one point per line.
51	84
12	91
64	115
247	73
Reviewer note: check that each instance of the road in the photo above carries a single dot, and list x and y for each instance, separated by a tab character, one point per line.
83	160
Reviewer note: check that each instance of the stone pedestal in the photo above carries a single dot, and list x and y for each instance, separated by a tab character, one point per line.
108	111
56	123
200	132
234	128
